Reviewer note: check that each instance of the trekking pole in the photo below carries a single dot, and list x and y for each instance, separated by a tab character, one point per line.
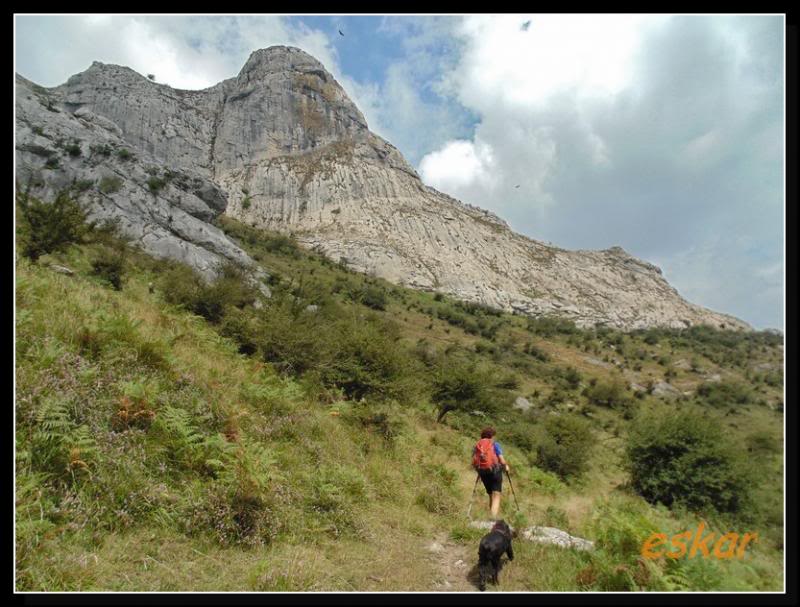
514	493
472	499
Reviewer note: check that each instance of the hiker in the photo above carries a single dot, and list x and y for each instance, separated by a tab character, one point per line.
489	463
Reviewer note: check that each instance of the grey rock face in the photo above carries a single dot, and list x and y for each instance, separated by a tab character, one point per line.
281	146
165	210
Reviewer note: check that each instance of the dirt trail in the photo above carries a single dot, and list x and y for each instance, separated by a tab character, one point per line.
456	565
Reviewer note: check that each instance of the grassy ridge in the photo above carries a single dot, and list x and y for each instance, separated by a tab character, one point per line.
153	446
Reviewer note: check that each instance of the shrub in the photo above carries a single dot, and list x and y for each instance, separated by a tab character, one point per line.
683	458
547	326
81	185
281	244
242	328
124	154
373	297
610	394
183	286
109	265
536	352
103	149
725	393
155	183
564	446
47	228
110	184
367	362
463	386
73	149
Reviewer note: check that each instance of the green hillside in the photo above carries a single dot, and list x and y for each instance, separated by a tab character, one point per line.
176	436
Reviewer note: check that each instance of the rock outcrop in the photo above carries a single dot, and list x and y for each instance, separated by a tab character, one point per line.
164	209
281	146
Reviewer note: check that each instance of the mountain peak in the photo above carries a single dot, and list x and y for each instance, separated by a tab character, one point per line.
281	146
274	59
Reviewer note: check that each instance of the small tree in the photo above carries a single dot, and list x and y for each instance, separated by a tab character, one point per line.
461	386
109	265
47	228
682	457
564	446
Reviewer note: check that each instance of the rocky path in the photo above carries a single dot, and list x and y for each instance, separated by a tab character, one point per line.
457	565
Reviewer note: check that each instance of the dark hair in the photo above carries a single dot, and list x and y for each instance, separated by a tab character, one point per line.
487	432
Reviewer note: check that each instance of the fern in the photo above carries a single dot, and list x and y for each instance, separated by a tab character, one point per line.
184	438
57	446
192	450
53	428
252	469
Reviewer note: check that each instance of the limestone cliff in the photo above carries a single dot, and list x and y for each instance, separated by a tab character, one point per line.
281	146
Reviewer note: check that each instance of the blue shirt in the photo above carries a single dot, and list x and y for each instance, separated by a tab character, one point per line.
497	450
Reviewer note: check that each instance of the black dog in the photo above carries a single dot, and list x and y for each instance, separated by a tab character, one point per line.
492	547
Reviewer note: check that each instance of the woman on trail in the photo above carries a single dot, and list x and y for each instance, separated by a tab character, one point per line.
488	461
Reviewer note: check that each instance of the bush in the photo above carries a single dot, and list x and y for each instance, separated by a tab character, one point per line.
367	362
182	286
564	446
124	154
611	394
724	393
155	183
281	244
242	328
47	228
683	458
547	326
373	297
110	265
536	352
110	184
463	386
102	149
81	185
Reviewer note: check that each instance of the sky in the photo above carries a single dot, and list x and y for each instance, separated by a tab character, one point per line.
662	134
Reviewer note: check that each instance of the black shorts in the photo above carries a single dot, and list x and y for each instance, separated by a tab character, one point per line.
492	479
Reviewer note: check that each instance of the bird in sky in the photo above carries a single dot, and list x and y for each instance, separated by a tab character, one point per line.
516	186
340	33
526	25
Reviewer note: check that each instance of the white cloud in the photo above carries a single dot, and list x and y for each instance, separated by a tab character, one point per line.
511	66
459	164
660	134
